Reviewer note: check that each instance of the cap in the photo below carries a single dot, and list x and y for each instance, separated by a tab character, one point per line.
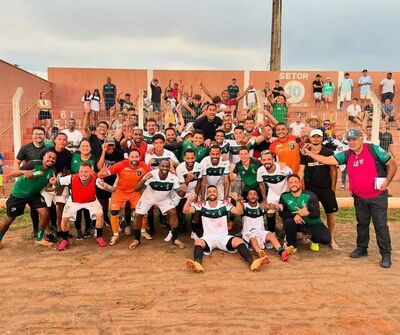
109	140
316	132
354	133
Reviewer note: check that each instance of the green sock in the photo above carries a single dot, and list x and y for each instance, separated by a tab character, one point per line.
40	234
1	235
280	250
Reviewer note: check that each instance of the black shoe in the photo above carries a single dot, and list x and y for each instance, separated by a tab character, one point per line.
359	252
79	235
51	238
86	234
386	261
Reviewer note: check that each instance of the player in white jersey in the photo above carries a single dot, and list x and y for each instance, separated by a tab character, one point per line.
159	184
215	225
254	232
158	153
215	172
274	175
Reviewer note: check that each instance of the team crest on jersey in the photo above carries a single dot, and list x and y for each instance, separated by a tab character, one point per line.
292	146
139	173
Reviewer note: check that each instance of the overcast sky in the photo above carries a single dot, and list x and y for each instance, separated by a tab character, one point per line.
199	34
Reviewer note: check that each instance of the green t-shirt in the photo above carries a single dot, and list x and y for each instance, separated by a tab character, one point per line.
292	204
200	152
279	112
249	175
328	89
24	188
76	161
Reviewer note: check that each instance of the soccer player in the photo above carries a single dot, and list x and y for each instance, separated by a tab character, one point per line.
83	195
33	177
159	184
159	153
216	236
196	144
129	171
273	175
253	231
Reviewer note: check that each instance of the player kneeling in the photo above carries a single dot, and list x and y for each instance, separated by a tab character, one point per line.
83	195
254	231
216	236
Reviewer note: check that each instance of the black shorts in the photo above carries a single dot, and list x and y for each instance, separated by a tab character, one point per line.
387	95
327	199
44	115
109	103
16	206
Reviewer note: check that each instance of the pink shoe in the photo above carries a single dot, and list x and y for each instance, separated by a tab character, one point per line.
63	245
100	241
284	256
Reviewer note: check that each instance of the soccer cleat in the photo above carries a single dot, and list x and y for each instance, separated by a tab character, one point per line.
79	235
51	238
128	231
100	241
145	234
261	254
114	240
284	256
63	245
194	236
43	243
134	244
168	237
195	266
179	244
314	246
258	263
86	234
291	250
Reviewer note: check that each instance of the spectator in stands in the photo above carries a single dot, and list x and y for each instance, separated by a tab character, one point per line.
385	137
2	191
277	90
233	89
86	100
95	101
109	94
74	135
345	91
147	104
355	113
174	90
280	109
388	113
317	91
192	110
156	95
328	90
251	97
168	97
387	88
125	104
44	115
364	82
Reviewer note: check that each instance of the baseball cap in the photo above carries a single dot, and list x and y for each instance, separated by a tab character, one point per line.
109	140
354	133
316	132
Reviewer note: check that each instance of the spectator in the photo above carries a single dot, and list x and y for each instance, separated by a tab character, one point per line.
86	100
345	91
74	136
125	104
44	116
277	90
95	104
2	191
368	110
233	89
251	97
156	95
388	113
317	91
387	88
174	90
147	104
328	89
168	97
109	94
191	111
385	137
364	82
354	112
297	126
266	89
279	108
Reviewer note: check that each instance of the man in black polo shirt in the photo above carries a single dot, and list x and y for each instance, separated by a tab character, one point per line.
109	94
209	123
155	95
97	139
29	152
233	89
321	180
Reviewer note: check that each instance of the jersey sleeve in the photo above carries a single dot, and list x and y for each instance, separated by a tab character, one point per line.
116	168
65	181
382	155
204	167
177	183
227	168
236	168
259	175
148	181
288	171
341	157
147	158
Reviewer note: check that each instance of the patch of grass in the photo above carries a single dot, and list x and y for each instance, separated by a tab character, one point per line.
21	222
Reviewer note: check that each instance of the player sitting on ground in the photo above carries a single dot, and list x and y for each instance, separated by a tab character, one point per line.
216	236
83	195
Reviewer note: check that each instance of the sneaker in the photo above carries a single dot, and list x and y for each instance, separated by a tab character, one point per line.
134	244
100	241
79	235
114	240
86	234
291	250
145	234
359	252
63	245
386	261
194	236
179	244
168	237
128	231
258	263
44	243
314	246
51	238
284	256
107	223
195	266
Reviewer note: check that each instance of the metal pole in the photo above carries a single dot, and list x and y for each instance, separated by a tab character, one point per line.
17	118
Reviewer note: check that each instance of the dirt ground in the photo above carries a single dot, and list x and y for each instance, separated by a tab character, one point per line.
88	290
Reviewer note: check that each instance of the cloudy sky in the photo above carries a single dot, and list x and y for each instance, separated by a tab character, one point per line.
193	34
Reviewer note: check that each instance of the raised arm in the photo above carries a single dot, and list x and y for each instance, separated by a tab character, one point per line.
85	124
205	90
327	160
187	207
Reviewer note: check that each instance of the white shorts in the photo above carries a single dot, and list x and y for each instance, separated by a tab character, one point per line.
259	235
53	198
272	198
365	95
317	95
217	241
345	96
71	208
144	205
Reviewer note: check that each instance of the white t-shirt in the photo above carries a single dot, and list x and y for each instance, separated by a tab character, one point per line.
94	103
182	172
214	219
387	85
214	174
346	85
353	110
251	96
159	190
165	155
296	128
74	138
